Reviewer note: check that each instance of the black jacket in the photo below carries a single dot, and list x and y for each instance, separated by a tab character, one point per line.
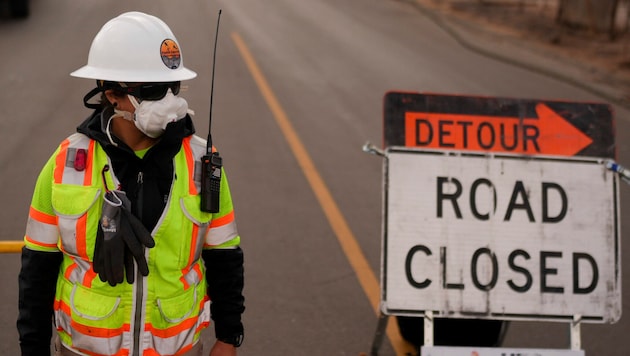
38	275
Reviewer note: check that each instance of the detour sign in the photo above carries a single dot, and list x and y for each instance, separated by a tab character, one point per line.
498	125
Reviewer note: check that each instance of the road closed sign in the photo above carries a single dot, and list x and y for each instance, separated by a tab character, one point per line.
500	236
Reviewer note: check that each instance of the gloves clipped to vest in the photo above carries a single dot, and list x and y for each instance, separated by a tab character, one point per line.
121	238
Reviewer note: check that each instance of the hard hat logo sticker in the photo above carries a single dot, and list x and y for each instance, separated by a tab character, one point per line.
169	51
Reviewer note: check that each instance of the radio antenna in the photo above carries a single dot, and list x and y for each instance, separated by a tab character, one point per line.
214	61
211	162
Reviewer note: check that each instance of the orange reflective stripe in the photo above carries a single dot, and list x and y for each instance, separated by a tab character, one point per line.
122	352
90	330
191	255
183	280
63	307
87	179
224	220
60	161
190	162
193	244
38	243
202	326
42	217
173	330
69	270
99	332
89	277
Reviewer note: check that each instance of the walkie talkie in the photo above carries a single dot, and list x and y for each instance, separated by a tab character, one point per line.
211	162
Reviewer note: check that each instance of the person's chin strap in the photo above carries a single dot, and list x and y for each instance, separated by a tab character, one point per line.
89	96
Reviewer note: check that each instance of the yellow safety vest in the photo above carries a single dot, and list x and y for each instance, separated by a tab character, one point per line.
160	314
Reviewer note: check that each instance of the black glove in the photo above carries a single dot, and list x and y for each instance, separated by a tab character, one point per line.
120	239
136	238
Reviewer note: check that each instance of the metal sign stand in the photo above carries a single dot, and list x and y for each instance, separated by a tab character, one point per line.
379	333
576	334
574	326
428	328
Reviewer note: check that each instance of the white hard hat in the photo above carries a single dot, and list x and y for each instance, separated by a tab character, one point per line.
135	47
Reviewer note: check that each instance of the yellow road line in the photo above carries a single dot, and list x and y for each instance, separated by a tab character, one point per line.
346	238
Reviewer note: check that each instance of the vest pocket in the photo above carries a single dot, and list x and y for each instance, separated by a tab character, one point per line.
191	205
177	308
71	203
92	306
178	319
90	320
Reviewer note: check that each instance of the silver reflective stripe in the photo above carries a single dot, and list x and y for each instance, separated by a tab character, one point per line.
198	147
43	233
101	345
71	175
78	274
192	277
220	234
201	231
69	226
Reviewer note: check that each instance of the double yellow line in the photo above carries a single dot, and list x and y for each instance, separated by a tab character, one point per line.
348	242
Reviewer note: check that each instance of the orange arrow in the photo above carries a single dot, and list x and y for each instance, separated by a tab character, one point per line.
548	134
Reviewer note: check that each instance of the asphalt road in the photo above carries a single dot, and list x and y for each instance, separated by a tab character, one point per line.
298	91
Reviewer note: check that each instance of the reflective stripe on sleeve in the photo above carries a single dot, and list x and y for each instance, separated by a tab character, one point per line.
221	230
41	231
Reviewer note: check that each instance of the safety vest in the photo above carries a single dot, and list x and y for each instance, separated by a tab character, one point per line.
160	314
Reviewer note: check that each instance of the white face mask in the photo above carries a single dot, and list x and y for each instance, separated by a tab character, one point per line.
152	116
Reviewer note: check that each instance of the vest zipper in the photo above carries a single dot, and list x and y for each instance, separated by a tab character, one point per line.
140	196
137	325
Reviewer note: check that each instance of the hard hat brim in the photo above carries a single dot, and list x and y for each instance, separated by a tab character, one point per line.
90	72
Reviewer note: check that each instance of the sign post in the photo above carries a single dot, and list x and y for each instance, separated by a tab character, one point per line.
499	208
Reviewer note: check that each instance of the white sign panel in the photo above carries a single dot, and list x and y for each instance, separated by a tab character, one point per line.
500	237
480	351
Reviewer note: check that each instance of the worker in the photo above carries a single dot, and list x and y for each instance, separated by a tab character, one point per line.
118	252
